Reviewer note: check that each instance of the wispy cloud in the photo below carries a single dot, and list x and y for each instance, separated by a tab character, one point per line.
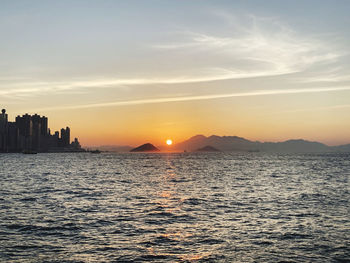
257	47
196	98
25	89
333	107
263	47
333	75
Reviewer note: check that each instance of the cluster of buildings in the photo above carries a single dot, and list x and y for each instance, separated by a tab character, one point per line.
31	133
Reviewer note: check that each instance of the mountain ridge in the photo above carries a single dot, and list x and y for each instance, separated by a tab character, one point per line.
236	143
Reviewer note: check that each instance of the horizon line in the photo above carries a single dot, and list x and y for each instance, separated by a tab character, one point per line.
259	141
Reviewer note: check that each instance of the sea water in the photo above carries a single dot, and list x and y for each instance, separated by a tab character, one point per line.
174	207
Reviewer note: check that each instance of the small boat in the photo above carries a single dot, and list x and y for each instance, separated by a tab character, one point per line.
95	151
29	152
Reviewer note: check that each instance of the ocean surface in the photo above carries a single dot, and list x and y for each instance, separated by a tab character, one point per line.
188	207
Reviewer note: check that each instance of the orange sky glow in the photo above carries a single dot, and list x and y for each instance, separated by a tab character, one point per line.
123	74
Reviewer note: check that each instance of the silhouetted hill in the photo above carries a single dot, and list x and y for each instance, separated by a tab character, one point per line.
342	148
207	148
295	146
234	143
147	147
225	143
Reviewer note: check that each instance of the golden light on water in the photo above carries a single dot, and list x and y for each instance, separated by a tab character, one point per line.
169	142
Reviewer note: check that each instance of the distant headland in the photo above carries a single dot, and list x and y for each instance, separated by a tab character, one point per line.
235	143
214	143
30	134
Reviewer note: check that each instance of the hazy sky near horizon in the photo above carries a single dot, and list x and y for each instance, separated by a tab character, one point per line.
126	72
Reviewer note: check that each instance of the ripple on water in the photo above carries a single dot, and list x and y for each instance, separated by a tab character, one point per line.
239	207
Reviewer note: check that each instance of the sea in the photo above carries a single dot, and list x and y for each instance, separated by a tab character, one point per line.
174	207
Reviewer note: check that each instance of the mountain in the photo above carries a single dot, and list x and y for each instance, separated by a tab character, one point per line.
207	148
225	143
342	148
234	143
295	146
147	147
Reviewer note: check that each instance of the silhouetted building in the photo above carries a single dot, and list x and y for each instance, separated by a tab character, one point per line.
65	137
36	132
75	144
44	126
13	137
25	126
3	131
31	133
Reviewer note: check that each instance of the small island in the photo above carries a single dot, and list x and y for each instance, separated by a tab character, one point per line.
147	147
207	148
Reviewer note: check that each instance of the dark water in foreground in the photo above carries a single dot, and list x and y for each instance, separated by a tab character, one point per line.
214	207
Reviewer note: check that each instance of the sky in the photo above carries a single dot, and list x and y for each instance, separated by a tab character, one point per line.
129	72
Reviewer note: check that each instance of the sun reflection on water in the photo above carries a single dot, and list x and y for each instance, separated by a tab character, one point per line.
170	200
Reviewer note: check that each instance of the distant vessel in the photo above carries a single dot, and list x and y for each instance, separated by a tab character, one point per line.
29	152
95	151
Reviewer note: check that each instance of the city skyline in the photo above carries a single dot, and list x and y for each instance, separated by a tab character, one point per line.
124	73
31	134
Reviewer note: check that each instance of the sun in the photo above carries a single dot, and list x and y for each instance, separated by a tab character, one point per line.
169	142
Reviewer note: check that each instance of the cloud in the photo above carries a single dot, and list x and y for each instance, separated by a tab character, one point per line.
333	75
255	47
251	47
196	98
333	107
34	88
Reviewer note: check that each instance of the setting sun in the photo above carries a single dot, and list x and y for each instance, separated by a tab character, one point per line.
169	142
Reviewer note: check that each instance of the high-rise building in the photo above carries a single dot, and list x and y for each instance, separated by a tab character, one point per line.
25	126
31	133
13	137
44	126
65	137
36	132
3	131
